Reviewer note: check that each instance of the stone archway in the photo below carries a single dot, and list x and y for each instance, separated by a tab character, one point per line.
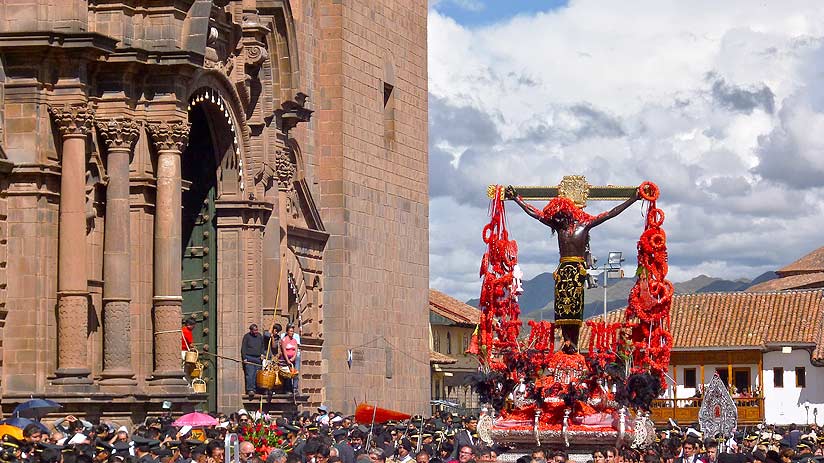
215	218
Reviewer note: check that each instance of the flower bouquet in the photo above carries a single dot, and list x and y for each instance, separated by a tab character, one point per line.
265	436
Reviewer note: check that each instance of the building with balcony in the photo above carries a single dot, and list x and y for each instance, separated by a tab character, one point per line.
451	324
768	347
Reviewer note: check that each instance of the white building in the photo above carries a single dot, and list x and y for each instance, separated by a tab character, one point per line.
768	346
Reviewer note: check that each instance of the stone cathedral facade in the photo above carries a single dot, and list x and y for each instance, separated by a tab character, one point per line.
228	161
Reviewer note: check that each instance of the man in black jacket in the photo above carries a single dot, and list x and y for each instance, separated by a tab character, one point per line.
252	349
467	436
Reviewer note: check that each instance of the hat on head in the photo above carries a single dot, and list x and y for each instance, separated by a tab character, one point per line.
172	444
121	448
323	408
103	446
143	444
10	441
693	432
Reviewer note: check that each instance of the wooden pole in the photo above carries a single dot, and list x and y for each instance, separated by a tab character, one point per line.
675	386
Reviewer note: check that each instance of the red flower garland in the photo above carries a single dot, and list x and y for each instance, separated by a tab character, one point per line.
567	206
499	326
651	297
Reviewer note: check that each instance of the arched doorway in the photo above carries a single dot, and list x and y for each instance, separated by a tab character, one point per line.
199	166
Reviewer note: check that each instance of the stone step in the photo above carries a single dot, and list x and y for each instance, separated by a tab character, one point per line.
279	405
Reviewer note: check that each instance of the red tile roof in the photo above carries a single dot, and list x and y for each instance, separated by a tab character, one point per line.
811	263
453	309
743	320
803	281
437	358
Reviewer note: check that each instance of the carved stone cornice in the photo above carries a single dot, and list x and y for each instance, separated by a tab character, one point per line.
170	135
118	133
73	120
293	112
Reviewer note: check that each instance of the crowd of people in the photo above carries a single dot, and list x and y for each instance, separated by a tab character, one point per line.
330	437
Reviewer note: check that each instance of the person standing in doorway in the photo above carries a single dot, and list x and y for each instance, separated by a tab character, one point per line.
187	340
252	350
289	353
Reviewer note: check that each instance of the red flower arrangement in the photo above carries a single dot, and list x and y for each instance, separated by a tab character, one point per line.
265	436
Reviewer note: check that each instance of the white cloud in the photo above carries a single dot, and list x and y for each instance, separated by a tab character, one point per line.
718	103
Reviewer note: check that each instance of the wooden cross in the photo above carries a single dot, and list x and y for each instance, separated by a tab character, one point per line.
574	187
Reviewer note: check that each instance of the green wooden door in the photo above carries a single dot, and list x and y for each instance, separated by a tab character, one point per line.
199	274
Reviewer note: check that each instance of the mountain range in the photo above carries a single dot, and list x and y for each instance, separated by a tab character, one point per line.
539	292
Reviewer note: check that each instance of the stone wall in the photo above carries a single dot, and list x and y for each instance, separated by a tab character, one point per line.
372	164
357	169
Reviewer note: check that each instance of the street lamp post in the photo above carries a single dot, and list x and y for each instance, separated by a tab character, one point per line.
807	408
612	266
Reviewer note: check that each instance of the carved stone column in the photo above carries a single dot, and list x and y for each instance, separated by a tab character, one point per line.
75	123
118	135
170	137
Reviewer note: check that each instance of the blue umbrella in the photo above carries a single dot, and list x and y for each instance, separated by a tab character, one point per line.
36	408
21	423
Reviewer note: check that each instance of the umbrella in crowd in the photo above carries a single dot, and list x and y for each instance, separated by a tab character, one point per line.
13	431
21	423
36	408
195	419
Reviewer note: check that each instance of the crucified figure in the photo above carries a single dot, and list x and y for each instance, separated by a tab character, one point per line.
572	225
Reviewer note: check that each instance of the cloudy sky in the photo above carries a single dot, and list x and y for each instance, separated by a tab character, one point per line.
720	103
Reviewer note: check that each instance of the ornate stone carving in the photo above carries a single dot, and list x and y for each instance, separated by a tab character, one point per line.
117	352
167	316
170	135
265	175
118	133
72	320
73	120
293	203
285	170
255	56
293	112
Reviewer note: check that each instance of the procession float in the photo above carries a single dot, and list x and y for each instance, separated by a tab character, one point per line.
544	389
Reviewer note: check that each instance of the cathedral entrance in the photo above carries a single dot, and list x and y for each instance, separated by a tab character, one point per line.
199	171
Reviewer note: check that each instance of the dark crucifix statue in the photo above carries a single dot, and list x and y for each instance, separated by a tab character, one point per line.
572	225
